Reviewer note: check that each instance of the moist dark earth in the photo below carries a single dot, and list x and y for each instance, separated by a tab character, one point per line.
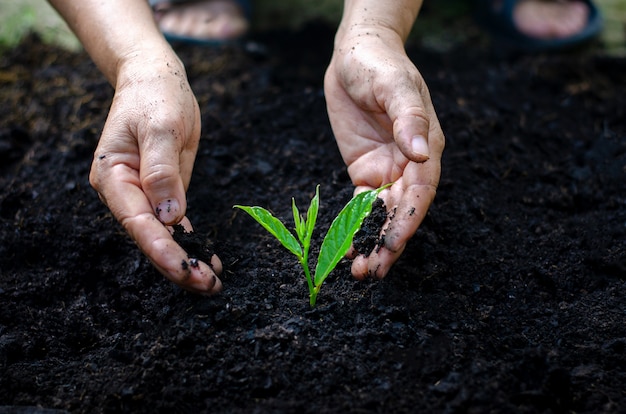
511	297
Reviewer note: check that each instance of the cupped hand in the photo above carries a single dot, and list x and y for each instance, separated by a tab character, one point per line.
387	131
143	163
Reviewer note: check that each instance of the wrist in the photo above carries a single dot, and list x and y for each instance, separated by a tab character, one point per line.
157	61
353	35
378	17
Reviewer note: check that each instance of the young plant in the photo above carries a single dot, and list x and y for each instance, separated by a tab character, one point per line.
336	242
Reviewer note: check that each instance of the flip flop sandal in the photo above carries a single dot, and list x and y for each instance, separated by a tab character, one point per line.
245	5
499	23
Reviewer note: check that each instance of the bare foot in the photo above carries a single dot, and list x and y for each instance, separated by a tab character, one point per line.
202	20
550	19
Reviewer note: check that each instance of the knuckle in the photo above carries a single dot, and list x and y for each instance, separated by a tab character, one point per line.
95	177
157	176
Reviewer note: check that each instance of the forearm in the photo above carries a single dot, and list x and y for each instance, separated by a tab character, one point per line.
114	32
361	15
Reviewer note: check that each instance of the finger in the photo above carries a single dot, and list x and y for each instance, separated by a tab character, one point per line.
118	186
351	253
410	131
376	265
167	159
408	214
186	226
411	110
173	262
168	257
216	263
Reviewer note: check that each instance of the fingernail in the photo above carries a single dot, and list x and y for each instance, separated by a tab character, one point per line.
419	145
167	211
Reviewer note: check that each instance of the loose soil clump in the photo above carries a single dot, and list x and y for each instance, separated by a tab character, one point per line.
509	299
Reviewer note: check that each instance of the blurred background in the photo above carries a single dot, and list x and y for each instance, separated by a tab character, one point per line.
441	24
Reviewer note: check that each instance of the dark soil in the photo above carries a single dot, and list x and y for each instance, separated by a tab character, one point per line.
510	298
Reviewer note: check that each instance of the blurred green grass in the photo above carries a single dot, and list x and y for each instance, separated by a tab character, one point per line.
19	18
441	24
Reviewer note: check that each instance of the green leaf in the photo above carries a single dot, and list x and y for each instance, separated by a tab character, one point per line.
311	215
275	227
299	224
341	232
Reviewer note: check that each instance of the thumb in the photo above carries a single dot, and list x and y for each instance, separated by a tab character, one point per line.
161	181
411	110
410	131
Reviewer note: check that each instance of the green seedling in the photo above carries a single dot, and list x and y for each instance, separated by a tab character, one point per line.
336	243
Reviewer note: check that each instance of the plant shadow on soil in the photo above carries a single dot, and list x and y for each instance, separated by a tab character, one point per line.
510	297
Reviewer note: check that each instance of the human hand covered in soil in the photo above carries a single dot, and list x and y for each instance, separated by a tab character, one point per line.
384	122
143	163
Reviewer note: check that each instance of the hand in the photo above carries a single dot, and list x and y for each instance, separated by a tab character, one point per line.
387	131
143	163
